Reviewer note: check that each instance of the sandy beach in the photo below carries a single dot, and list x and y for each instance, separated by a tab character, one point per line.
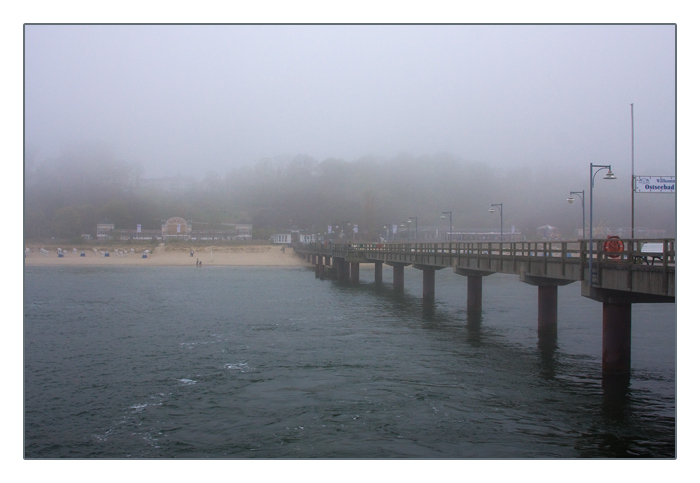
249	255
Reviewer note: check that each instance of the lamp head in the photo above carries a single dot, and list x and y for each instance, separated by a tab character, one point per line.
570	199
491	210
442	217
609	175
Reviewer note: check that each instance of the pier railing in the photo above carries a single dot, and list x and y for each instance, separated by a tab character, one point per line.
630	253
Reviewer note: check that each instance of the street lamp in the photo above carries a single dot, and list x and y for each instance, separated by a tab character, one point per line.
500	209
409	221
608	175
581	194
390	231
341	227
443	217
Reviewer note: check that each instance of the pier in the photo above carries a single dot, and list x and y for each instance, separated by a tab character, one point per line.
616	279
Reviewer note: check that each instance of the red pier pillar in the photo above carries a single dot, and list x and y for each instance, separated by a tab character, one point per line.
474	293
617	338
547	308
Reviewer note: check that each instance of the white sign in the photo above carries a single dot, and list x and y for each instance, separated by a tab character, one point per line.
330	229
355	229
178	228
655	184
138	228
394	229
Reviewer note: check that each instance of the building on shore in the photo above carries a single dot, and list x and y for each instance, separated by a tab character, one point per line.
176	228
223	231
293	236
104	229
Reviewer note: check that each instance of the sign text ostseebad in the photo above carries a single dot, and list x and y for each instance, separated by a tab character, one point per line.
655	184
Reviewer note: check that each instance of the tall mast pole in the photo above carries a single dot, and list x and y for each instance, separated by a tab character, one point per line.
632	113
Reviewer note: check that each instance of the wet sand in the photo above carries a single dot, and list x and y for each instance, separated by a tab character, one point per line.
250	255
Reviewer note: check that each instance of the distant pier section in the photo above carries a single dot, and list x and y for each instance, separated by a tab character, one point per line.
616	274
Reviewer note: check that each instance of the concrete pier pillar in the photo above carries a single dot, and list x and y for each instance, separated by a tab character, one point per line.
546	301
617	338
398	277
338	265
354	272
547	308
428	284
318	267
337	269
474	282
474	293
344	270
378	272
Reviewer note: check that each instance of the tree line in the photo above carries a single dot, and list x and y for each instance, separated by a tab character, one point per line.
68	196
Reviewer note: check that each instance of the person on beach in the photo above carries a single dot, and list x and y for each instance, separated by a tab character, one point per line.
191	253
197	262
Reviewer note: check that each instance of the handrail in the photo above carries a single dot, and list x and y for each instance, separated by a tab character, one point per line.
568	249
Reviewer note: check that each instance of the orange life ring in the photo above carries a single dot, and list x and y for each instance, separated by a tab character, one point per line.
613	245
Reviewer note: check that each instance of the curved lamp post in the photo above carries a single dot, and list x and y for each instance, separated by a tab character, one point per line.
608	175
443	217
341	227
582	195
500	209
388	227
409	231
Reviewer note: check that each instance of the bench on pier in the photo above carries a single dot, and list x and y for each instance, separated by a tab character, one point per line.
650	251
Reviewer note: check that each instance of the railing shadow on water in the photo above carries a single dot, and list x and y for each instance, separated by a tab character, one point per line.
436	319
548	350
611	392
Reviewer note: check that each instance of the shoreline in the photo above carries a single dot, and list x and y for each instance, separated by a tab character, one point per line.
121	255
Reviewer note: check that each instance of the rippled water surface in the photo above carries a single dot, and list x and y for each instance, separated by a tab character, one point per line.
224	362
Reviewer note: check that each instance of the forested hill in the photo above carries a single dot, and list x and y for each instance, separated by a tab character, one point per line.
68	196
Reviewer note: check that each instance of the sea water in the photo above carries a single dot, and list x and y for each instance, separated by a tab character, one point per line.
252	362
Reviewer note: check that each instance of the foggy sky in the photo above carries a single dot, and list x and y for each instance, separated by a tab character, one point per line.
188	99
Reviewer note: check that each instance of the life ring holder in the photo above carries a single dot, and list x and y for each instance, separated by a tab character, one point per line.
613	245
